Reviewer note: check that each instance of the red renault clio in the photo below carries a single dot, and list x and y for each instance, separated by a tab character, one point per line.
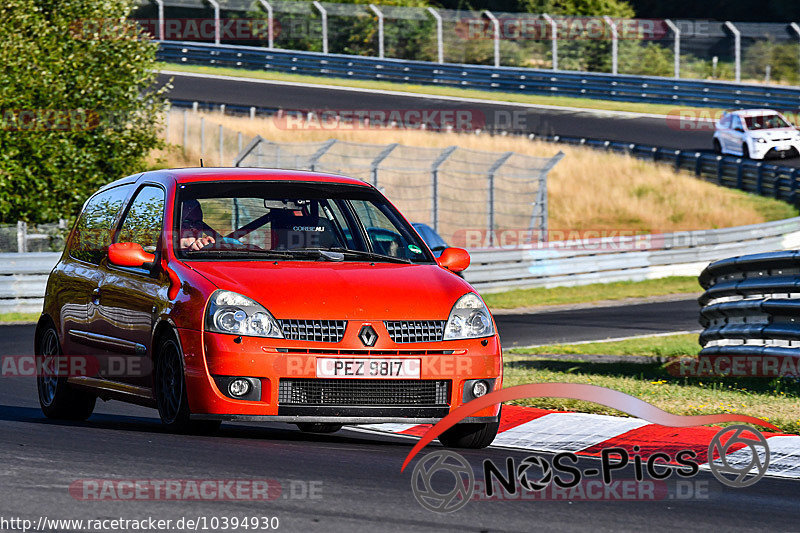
264	295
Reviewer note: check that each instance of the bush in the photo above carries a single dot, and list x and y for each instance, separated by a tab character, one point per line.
78	104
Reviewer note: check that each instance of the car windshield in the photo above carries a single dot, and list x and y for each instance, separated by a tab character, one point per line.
765	122
292	221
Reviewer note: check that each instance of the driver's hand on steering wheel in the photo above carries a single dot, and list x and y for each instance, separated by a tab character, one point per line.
191	243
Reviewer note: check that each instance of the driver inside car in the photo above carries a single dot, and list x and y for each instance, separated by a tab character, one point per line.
192	227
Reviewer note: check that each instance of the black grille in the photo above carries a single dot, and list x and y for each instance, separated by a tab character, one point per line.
401	331
314	330
362	392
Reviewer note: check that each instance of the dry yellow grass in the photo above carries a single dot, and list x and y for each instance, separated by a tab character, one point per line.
588	189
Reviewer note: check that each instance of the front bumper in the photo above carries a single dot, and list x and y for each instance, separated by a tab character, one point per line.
771	150
209	355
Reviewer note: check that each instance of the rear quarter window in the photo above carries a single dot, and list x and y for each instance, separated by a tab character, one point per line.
95	227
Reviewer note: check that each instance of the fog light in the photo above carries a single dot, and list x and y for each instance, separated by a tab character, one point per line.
239	387
479	389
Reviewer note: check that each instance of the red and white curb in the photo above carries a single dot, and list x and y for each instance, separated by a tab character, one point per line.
540	430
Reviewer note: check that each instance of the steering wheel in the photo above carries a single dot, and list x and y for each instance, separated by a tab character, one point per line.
227	243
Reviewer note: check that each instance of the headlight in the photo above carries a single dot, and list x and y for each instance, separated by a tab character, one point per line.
230	312
761	140
469	319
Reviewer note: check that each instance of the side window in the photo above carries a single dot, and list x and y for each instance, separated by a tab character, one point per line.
726	121
144	219
94	229
737	123
382	233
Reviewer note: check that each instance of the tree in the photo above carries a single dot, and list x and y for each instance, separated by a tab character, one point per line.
78	102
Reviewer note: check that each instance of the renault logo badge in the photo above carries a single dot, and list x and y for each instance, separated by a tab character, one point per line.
368	336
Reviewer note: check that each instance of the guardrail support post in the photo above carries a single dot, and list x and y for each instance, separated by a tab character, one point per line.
160	4
435	185
759	178
698	164
676	31
324	14
794	178
737	49
378	160
739	175
496	38
379	14
22	237
215	5
439	44
271	22
490	173
614	43
796	28
719	169
553	39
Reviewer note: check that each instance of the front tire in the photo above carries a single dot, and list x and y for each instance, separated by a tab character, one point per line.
745	151
169	384
717	147
472	436
57	398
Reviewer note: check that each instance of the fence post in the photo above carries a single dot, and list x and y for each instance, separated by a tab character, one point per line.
271	22
676	31
167	122
202	136
185	129
737	50
553	39
379	14
215	5
490	173
239	142
496	39
541	198
221	147
160	4
324	14
435	185
614	43
378	160
439	45
312	162
22	237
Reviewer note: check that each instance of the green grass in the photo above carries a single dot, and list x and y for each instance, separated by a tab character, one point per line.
770	208
563	101
592	293
18	317
656	346
775	400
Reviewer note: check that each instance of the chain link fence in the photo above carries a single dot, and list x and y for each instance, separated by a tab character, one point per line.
687	48
458	192
22	237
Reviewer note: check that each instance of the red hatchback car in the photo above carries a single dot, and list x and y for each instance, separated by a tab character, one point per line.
263	295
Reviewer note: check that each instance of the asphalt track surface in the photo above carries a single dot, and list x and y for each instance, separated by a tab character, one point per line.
656	131
355	476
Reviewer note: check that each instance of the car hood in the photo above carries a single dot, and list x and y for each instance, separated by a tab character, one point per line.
776	133
340	291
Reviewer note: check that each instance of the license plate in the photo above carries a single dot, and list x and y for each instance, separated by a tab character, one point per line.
783	148
368	368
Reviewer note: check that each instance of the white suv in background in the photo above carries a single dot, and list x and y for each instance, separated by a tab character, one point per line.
756	133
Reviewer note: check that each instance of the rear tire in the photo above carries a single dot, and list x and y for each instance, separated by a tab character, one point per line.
169	384
318	427
717	147
473	436
57	398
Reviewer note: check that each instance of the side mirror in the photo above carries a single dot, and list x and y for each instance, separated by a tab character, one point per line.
740	130
130	254
454	259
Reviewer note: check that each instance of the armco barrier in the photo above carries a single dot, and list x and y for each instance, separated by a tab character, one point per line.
751	305
626	258
23	276
678	92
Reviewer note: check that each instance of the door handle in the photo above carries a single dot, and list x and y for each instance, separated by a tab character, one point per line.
96	296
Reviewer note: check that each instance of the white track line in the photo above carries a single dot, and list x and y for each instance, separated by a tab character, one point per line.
613	339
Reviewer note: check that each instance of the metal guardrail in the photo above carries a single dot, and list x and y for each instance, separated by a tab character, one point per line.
751	305
624	259
507	79
23	277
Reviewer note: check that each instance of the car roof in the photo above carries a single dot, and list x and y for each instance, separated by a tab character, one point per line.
753	112
199	174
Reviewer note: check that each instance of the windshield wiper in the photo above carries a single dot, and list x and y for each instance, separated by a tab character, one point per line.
366	255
